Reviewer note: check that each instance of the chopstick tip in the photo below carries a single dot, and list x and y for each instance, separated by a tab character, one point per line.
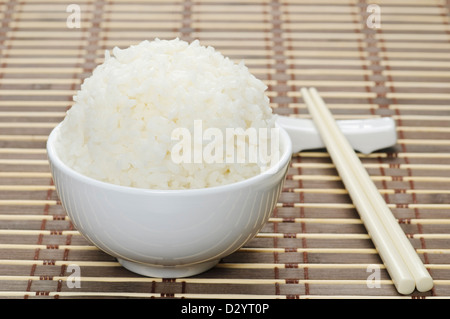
424	284
405	286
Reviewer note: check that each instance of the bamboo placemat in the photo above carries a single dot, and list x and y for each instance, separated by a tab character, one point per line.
315	245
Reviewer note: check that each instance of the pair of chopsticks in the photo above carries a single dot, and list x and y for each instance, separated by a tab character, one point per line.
401	260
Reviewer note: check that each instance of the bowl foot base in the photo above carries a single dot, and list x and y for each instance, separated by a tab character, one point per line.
167	271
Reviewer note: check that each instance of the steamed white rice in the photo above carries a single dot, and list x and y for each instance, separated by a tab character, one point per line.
120	125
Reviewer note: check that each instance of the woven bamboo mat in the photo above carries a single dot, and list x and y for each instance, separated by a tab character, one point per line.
315	245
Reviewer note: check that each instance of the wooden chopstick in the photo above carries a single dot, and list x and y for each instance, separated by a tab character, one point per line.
402	262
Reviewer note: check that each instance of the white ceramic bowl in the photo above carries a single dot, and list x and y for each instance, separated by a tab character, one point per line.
168	233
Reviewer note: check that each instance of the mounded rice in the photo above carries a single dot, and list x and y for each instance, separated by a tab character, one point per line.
119	129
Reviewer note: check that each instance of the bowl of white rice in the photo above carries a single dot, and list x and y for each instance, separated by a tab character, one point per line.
170	158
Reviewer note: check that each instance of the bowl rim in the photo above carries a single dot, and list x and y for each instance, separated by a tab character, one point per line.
286	154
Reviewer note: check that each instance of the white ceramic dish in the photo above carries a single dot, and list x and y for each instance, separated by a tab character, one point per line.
168	233
364	135
178	233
